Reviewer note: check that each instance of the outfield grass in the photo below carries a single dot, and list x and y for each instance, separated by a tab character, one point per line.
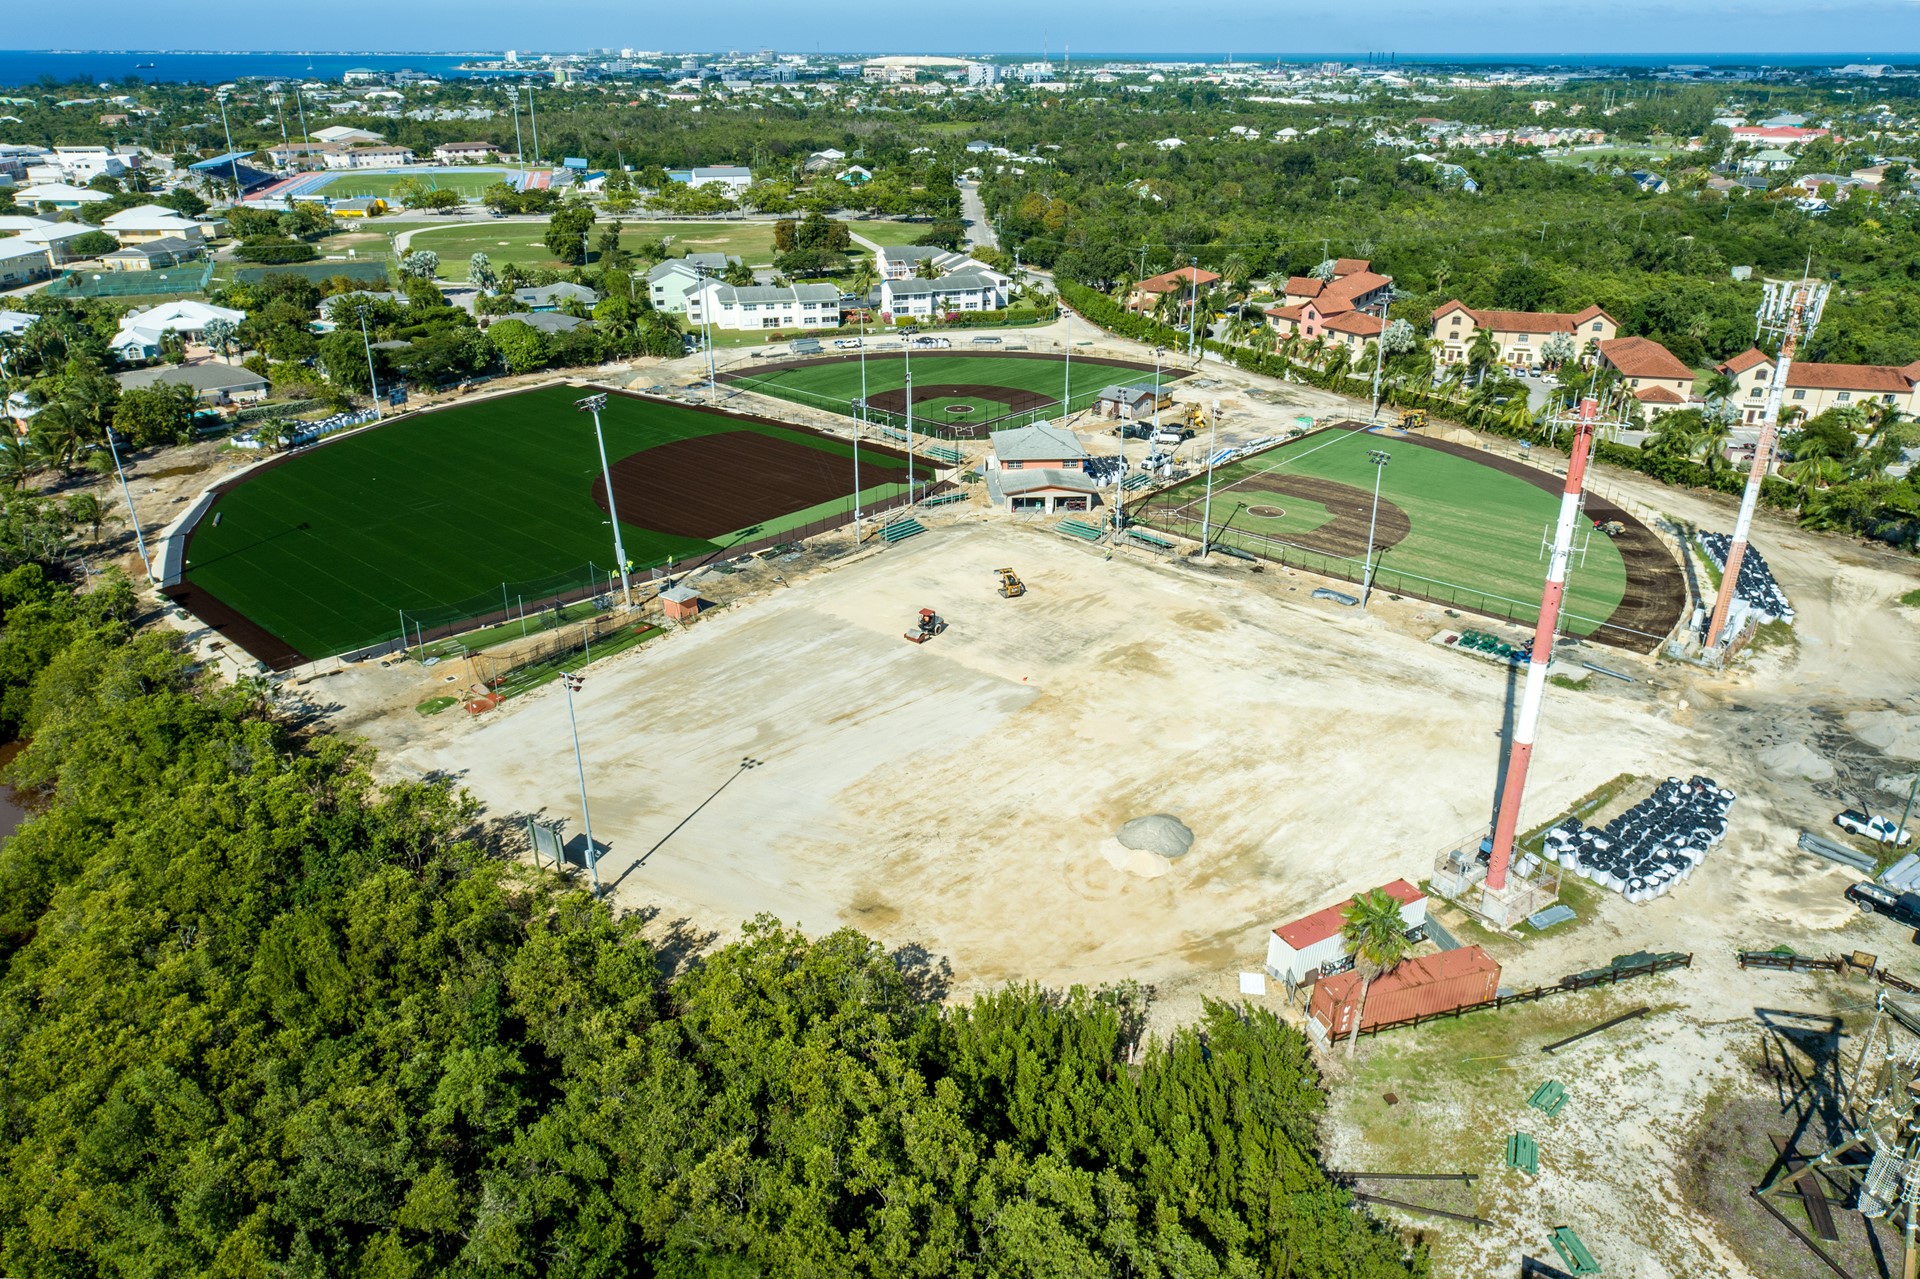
434	513
1475	530
891	234
834	383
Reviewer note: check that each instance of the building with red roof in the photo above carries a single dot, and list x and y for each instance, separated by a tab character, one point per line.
1297	951
1655	376
1145	296
1519	336
1815	388
1310	306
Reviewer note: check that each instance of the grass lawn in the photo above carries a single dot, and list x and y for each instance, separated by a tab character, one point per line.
434	513
1475	531
833	383
521	242
468	182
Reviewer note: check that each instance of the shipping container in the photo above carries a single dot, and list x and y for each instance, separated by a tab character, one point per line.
1417	988
1297	950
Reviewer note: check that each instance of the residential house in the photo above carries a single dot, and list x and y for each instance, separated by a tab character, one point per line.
926	299
23	262
57	195
305	155
156	222
1767	160
58	237
14	323
148	255
669	282
1776	135
735	178
824	161
1310	306
13	222
902	261
1815	388
141	331
1656	377
464	153
1040	470
548	322
551	297
1518	336
800	306
1145	296
81	165
212	382
376	157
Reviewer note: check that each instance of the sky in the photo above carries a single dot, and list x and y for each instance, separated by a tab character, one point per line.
1253	27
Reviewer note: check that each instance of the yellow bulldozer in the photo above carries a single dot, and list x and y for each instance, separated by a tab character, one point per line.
1413	419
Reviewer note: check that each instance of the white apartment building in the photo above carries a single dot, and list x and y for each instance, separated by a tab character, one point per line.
924	299
802	306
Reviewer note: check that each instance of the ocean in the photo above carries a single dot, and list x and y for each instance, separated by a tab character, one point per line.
30	66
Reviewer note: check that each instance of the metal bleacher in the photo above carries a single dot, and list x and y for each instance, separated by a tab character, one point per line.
901	529
1148	539
1138	480
944	498
1081	529
940	453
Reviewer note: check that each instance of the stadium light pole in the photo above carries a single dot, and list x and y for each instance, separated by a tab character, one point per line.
534	121
593	404
300	105
1380	351
519	147
574	683
1066	373
908	357
858	418
1206	511
1379	458
1193	304
233	161
372	380
140	539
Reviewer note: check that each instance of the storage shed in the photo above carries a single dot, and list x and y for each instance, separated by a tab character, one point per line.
682	603
1296	950
1428	984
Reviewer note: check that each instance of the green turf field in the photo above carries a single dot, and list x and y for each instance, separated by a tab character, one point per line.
470	183
433	513
834	383
1475	536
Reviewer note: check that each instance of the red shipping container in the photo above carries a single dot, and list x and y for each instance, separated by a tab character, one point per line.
1429	984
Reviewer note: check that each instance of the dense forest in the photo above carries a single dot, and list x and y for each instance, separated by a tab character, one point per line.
261	1015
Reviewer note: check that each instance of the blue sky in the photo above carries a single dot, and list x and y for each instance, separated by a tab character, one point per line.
1255	27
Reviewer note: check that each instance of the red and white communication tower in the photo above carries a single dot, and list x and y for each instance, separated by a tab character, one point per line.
1527	724
1788	311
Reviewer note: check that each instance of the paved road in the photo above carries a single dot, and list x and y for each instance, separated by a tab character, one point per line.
974	212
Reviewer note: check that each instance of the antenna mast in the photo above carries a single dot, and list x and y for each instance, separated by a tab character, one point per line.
1789	311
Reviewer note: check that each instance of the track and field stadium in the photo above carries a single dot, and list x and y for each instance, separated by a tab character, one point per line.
1456	525
454	515
955	393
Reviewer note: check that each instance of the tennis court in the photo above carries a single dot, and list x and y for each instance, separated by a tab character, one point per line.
452	514
1453	525
954	392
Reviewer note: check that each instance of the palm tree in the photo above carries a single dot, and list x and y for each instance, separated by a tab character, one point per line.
218	335
17	460
864	278
1482	353
1810	473
1516	416
1719	388
1235	273
1339	359
1376	935
1711	442
58	431
1677	436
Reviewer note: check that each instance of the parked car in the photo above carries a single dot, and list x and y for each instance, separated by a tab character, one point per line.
932	341
846	344
1871	898
1874	828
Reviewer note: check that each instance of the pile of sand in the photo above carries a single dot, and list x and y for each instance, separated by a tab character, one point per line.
1897	784
1795	759
1890	732
1161	833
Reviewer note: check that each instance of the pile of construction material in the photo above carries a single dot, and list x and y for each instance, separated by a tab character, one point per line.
1756	587
1650	847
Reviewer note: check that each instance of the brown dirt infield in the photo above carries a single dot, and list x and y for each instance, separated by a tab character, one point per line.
714	485
1346	533
895	401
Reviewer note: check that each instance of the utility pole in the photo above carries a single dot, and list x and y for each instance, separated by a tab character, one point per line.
139	538
1193	303
519	148
1379	458
573	684
1380	351
534	120
233	161
593	404
300	105
859	417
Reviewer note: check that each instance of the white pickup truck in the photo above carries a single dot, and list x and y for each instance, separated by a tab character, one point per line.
1875	828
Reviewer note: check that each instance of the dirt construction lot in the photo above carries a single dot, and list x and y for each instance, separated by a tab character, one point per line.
964	794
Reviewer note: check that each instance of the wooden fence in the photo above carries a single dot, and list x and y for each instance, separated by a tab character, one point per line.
1579	981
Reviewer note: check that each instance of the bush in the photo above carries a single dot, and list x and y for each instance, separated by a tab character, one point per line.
275	251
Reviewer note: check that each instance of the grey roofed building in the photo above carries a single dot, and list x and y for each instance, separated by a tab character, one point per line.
548	321
207	380
14	323
1015	483
964	282
712	262
1037	444
908	255
759	293
553	295
672	266
165	251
